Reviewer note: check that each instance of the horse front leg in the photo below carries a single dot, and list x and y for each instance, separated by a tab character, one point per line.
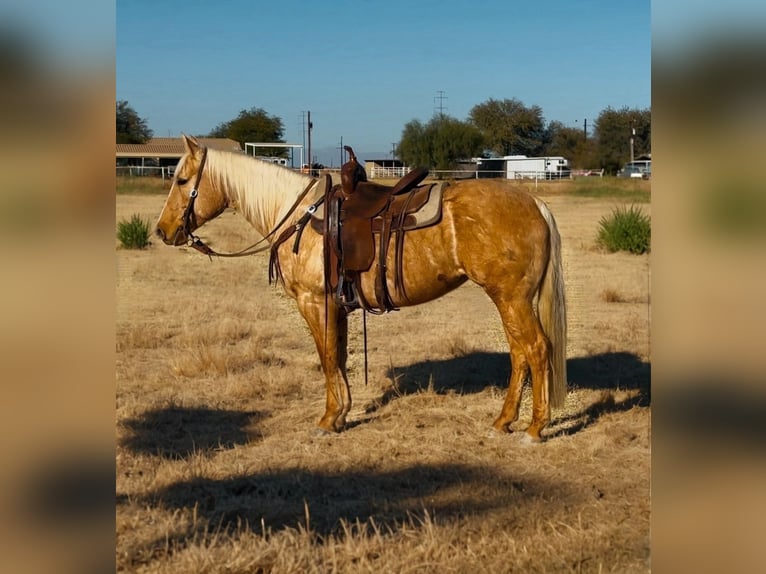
328	324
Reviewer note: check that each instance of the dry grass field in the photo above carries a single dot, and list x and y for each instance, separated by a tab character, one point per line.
219	390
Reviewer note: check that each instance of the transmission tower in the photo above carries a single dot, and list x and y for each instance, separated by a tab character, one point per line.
440	107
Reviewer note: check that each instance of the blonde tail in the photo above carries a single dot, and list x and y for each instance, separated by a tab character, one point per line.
553	312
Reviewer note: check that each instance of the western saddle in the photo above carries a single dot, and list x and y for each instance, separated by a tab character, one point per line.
357	219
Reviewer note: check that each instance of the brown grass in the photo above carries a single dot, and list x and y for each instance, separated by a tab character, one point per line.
219	389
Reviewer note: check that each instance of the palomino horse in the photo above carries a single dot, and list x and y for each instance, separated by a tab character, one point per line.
504	240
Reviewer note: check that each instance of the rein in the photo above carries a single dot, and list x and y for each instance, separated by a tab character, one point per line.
197	243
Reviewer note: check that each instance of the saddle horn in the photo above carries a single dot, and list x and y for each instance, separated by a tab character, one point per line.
351	173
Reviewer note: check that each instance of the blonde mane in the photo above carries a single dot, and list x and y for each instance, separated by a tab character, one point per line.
262	191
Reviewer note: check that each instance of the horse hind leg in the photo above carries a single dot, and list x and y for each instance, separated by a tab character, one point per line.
530	350
538	352
519	370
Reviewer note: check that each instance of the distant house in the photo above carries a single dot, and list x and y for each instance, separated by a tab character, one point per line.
165	152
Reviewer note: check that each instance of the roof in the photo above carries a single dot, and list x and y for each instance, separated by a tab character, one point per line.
172	147
386	162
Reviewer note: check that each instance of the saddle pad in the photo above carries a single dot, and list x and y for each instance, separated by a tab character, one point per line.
430	213
427	215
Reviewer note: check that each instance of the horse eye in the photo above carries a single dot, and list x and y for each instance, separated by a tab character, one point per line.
181	180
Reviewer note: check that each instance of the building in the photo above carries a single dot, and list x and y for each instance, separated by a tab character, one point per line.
160	155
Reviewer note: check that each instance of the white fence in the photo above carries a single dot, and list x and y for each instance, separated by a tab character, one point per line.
377	172
499	174
538	175
460	174
145	171
587	173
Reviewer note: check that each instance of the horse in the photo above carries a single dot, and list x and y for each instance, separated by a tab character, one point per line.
503	239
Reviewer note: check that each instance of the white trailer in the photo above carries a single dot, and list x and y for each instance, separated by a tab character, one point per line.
523	167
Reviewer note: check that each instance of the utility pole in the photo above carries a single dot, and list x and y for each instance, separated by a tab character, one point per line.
393	150
632	136
584	128
310	126
342	151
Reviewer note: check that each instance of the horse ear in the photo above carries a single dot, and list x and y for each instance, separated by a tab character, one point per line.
191	144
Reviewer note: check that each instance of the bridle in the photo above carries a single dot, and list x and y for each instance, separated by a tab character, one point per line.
186	220
197	243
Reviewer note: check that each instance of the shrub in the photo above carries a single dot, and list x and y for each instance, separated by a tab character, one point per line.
133	234
626	230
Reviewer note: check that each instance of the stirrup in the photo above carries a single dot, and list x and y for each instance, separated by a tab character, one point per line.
346	297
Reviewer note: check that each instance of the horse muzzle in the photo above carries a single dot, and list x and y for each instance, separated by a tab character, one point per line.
178	238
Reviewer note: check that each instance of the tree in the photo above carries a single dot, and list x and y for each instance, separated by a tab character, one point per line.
440	143
561	140
253	125
613	130
570	143
414	147
509	127
131	128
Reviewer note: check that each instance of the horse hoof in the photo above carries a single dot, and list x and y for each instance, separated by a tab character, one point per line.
527	439
495	432
340	426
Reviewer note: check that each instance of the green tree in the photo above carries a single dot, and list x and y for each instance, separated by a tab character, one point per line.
570	143
440	143
414	147
253	125
131	128
613	130
509	127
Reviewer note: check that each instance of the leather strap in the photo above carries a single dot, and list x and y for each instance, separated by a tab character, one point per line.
189	211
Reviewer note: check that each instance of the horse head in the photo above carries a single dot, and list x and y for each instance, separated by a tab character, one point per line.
193	199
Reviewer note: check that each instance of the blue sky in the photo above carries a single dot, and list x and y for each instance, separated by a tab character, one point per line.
366	68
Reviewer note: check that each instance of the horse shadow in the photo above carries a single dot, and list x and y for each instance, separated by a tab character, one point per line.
475	372
178	432
612	371
323	504
606	372
466	374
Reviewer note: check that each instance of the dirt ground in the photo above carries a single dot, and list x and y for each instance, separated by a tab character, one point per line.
219	391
